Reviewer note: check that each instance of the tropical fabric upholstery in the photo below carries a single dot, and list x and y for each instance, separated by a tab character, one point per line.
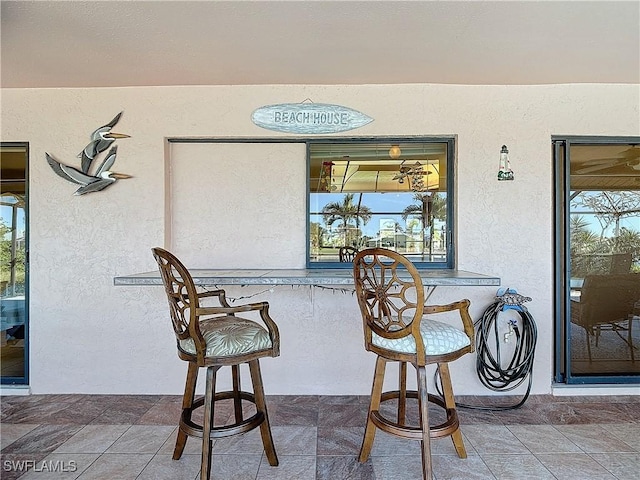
439	338
229	336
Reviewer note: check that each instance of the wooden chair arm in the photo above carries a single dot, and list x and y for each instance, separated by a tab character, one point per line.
463	307
221	294
230	310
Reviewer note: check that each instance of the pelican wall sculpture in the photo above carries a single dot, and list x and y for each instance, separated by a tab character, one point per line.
101	139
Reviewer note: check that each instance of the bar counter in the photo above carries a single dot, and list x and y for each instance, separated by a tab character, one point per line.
313	276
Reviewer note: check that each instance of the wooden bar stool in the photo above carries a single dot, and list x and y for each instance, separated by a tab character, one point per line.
391	299
347	254
214	337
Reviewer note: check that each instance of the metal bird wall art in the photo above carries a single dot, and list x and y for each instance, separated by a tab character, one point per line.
101	139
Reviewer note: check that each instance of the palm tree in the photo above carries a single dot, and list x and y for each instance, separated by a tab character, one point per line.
609	208
628	241
316	234
348	213
583	243
428	206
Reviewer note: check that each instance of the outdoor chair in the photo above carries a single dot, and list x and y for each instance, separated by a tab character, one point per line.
620	262
212	337
391	297
347	254
608	303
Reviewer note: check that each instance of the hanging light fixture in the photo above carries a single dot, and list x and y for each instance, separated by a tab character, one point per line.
395	152
416	176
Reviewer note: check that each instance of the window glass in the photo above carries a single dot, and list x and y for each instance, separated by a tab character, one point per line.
372	194
604	261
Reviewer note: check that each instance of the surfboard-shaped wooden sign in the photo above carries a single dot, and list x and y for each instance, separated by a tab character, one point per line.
309	118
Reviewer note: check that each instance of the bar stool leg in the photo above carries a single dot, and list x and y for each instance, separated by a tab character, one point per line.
450	403
374	405
265	427
423	399
402	398
187	404
237	401
207	422
586	332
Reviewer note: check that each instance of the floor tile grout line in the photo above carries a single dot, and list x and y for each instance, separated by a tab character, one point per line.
590	455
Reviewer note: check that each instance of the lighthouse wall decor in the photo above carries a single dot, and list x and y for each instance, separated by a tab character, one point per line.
505	172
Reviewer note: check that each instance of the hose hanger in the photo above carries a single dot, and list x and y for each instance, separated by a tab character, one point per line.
493	371
510	299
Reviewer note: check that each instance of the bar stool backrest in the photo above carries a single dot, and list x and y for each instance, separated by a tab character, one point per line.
390	295
182	297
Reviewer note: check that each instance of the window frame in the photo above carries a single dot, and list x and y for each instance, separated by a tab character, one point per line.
450	141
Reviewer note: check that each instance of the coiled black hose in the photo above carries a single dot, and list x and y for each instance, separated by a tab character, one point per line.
489	366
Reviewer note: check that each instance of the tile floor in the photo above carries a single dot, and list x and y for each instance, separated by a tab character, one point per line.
131	437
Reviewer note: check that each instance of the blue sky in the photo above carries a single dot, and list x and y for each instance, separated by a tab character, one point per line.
5	212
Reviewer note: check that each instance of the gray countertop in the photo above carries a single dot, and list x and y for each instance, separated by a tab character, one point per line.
326	276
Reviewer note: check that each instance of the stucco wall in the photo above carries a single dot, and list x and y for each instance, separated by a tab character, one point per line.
87	336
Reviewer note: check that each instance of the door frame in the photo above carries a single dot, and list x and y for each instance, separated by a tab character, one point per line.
24	380
561	145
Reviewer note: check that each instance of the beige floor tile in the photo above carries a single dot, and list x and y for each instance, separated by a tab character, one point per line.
332	467
162	467
543	439
386	444
234	467
93	439
575	466
629	433
493	439
593	438
246	443
497	450
625	466
295	440
300	467
61	466
193	446
397	467
450	467
444	446
516	467
339	441
11	432
117	466
141	439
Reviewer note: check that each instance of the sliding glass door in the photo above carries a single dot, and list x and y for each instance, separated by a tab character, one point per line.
598	259
13	258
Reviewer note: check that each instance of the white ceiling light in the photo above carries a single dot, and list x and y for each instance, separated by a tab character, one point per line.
395	152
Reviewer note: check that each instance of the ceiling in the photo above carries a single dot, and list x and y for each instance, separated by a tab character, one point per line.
154	43
376	167
605	167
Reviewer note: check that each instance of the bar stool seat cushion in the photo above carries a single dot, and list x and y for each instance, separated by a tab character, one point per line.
439	338
229	336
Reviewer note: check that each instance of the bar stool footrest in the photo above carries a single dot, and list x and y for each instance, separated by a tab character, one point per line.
415	432
193	429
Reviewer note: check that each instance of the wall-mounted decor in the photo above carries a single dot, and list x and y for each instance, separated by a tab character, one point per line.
505	172
309	118
102	177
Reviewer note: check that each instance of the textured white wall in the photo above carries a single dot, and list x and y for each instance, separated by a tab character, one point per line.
110	339
255	193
